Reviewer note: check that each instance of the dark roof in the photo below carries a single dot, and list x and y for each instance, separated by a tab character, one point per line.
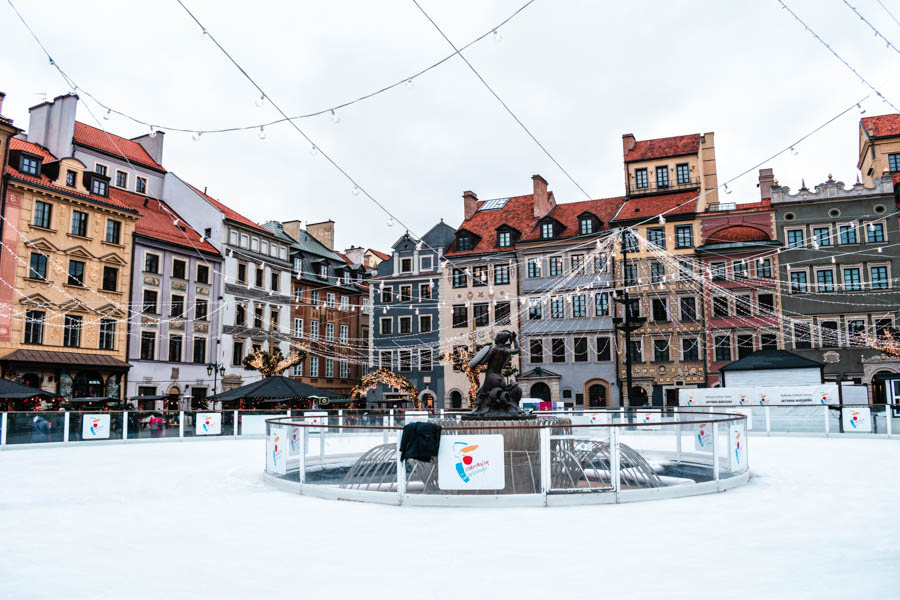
772	359
278	387
65	358
664	147
11	389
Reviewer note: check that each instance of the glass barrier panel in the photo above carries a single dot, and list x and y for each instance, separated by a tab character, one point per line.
150	424
35	427
93	426
208	423
253	422
732	442
581	456
797	419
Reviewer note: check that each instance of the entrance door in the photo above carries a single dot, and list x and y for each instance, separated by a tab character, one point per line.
541	390
455	399
596	396
895	395
638	396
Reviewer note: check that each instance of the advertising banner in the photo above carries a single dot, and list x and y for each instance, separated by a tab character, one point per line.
737	447
857	420
648	419
799	395
295	441
276	459
208	424
95	427
703	438
315	418
471	462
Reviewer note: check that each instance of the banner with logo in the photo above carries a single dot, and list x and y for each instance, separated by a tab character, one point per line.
737	447
471	462
276	457
295	439
799	395
95	427
649	421
315	418
703	437
857	420
208	424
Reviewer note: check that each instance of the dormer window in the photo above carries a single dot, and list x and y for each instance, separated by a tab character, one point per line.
29	165
406	265
323	271
546	231
463	242
504	239
585	225
70	178
641	180
662	176
99	187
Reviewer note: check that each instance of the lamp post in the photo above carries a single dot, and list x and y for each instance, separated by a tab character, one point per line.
215	370
630	322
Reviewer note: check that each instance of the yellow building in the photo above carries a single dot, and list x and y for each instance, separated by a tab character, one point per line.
879	147
64	295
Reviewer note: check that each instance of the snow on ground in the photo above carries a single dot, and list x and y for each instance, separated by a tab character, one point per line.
194	520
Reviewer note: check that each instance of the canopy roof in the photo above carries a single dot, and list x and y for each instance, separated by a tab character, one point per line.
278	387
12	390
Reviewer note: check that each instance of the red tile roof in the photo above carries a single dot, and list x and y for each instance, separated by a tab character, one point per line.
738	233
745	207
232	214
380	255
157	221
650	207
882	125
518	213
43	180
113	144
567	214
663	147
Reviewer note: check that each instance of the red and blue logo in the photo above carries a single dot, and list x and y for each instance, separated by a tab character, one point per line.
95	425
462	452
854	419
737	445
206	422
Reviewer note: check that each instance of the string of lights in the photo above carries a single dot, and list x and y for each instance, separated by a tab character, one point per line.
872	27
890	14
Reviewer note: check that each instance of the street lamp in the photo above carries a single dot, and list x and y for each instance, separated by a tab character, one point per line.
217	370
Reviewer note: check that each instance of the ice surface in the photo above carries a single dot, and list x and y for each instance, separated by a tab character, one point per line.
194	520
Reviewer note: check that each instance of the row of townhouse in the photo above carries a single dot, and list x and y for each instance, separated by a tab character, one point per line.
121	280
811	272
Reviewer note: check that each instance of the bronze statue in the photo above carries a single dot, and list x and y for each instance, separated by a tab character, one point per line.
496	398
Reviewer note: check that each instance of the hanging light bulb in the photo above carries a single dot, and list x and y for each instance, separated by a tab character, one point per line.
871	226
419	245
879	250
497	37
862	111
431	283
205	34
196	136
262	133
794	152
313	150
833	261
334	117
409	82
727	191
152	132
260	101
390	222
108	114
417	311
355	191
662	220
384	310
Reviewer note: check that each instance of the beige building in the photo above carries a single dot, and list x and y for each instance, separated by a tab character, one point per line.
879	147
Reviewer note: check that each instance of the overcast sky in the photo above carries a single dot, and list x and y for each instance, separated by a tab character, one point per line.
578	74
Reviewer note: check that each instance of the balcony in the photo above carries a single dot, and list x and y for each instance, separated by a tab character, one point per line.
652	188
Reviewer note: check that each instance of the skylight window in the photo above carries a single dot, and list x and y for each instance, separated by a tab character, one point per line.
494	204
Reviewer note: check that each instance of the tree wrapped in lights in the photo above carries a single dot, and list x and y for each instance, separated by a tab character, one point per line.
371	380
271	363
888	342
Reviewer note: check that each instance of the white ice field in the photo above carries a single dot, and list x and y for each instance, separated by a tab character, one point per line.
820	518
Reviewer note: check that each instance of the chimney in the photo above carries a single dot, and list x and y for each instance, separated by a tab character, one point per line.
153	145
292	228
52	125
324	232
543	204
766	181
470	204
628	143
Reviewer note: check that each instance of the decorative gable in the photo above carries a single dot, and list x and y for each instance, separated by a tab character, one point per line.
37	301
110	310
75	305
42	244
113	259
79	252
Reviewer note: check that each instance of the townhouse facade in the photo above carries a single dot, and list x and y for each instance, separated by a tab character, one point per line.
406	299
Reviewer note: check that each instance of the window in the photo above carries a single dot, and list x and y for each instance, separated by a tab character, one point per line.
99	187
406	265
264	248
37	268
151	298
76	273
635	351
882	326
151	263
260	273
534	267
657	272
685	269
557	308
741	270
604	349
122	179
141	185
556	266
546	230
501	274
536	351
202	274
298	369
879	277
795	238
768	341
660	310
743	305
34	327
298	328
830	331
684	236
386	360
534	311
580	345
683	173
660	351
798	282
386	326
558	350
641	181
657	236
70	178
113	231
178	269
600	264
148	345
501	313
894	162
242	273
856	331
424	292
719	271
425	360
662	176
314	297
42	211
629	273
764	268
847	234
274	279
601	304
875	233
688	308
480	275
254	244
824	280
240	312
577	264
579	306
766	303
323	271
405	325
329	367
387	295
504	239
744	345
463	242
585	225
314	328
245	240
480	315
110	279
29	165
79	223
258	317
426	263
345	368
405	294
345	303
720	307
405	359
460	316
459	278
201	309
821	237
629	241
313	366
802	337
330	298
852	281
175	348
723	348
690	350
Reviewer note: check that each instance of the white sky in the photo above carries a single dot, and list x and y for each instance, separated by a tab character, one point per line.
579	74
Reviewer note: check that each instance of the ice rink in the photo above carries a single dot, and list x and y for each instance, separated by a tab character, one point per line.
819	519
